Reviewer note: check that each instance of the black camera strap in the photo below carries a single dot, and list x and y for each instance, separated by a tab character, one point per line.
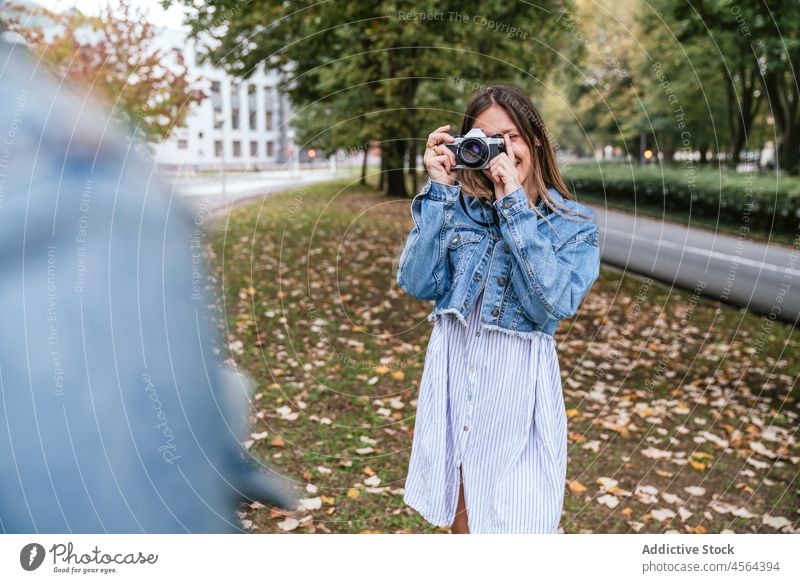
495	216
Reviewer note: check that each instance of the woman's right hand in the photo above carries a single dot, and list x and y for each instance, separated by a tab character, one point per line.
438	159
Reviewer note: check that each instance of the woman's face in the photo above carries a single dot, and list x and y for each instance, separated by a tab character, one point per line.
495	120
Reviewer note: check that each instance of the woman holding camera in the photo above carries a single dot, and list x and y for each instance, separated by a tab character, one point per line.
507	252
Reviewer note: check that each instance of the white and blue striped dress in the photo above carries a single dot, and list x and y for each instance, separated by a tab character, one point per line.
491	402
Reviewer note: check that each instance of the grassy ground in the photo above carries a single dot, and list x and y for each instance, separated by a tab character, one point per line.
664	392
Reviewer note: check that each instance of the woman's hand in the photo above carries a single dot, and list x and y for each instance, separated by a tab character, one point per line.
438	159
503	171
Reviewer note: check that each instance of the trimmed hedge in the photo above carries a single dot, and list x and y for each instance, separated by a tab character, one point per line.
774	202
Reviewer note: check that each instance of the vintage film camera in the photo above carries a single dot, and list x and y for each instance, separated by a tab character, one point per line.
474	150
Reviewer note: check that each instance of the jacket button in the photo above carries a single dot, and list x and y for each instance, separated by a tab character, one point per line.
476	277
507	203
501	280
455	239
506	248
495	312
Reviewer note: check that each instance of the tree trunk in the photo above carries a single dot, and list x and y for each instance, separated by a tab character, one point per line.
668	152
784	100
743	107
382	173
394	153
737	141
734	123
789	151
412	164
364	166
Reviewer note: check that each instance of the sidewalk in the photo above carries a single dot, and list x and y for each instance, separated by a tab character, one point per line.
207	189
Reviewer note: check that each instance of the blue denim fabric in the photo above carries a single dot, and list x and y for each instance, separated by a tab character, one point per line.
534	267
116	411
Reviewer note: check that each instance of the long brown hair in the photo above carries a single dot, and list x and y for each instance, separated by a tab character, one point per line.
544	168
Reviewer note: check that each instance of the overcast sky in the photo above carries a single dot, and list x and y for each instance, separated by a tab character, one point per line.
157	15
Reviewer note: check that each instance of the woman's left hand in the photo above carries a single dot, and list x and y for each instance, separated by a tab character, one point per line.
503	171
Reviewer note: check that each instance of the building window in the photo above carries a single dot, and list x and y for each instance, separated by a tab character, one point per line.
183	144
270	149
268	105
235	106
216	99
218	148
237	149
251	105
253	149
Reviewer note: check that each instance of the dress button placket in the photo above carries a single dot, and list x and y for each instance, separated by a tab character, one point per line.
471	376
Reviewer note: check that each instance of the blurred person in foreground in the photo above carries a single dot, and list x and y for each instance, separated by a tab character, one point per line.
116	413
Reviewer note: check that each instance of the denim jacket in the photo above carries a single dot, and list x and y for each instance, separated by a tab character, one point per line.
534	267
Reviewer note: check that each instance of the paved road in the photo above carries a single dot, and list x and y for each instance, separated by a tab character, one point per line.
207	190
765	278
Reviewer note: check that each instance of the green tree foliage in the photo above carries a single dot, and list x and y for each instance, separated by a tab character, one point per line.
776	40
754	51
606	56
711	49
391	71
638	84
689	95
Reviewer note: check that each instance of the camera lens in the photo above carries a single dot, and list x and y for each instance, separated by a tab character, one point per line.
473	153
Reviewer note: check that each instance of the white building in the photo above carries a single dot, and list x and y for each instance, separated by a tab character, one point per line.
242	124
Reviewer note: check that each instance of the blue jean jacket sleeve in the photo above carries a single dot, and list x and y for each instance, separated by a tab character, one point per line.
550	281
423	271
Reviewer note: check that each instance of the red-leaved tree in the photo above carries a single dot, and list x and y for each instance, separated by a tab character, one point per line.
113	56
